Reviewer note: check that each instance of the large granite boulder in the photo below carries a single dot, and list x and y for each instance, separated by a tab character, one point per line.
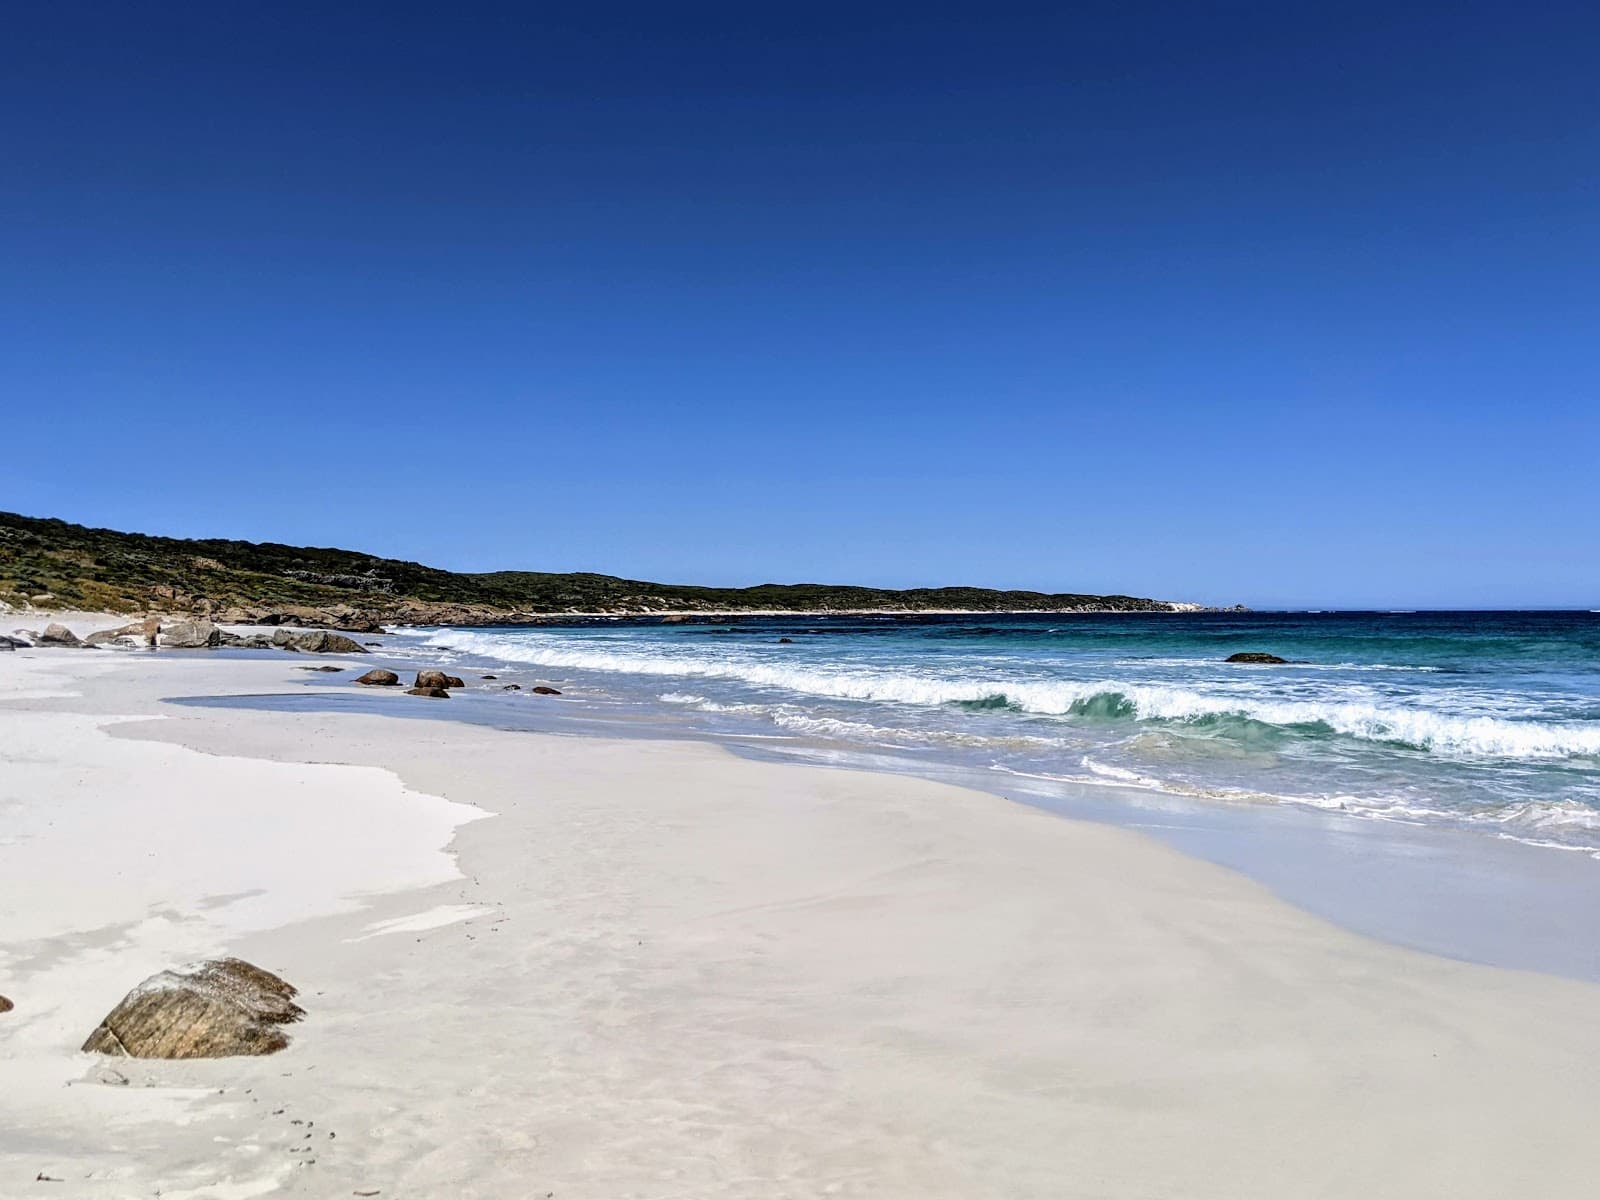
124	634
191	635
206	1010
320	641
1255	656
56	634
432	679
378	677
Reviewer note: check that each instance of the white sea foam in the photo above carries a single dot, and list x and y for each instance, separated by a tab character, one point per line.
1456	734
1558	824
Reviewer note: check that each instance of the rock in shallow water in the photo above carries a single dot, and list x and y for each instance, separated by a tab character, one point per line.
1255	656
438	679
213	1009
437	693
544	691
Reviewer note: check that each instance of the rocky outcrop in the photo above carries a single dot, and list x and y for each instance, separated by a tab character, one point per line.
132	636
323	642
1254	656
191	635
105	637
338	616
544	691
56	634
213	1009
315	641
437	693
378	677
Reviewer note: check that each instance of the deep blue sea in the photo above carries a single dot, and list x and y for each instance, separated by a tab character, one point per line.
1481	721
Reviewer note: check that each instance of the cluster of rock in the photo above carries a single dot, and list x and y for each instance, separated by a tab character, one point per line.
212	1009
336	616
436	684
194	635
189	635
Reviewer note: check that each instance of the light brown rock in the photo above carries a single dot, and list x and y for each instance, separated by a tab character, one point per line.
56	634
213	1009
378	677
191	635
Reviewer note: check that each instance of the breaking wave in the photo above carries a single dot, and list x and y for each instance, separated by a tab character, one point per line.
1227	713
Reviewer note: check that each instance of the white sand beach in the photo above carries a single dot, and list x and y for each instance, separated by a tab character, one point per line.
550	966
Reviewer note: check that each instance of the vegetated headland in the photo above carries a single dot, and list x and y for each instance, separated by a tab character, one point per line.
51	563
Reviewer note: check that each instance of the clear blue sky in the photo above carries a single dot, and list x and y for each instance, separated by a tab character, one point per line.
1276	303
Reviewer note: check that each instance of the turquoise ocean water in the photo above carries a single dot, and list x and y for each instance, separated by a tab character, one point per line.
1488	722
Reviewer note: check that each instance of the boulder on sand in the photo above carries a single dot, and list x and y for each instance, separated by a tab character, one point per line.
437	693
132	634
1255	656
56	634
316	641
206	1010
432	679
191	635
378	677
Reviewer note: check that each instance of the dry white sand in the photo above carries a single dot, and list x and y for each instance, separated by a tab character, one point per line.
661	971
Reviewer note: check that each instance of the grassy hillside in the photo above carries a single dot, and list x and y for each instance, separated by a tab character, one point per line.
75	566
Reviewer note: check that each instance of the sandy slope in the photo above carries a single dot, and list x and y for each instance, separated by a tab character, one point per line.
665	972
